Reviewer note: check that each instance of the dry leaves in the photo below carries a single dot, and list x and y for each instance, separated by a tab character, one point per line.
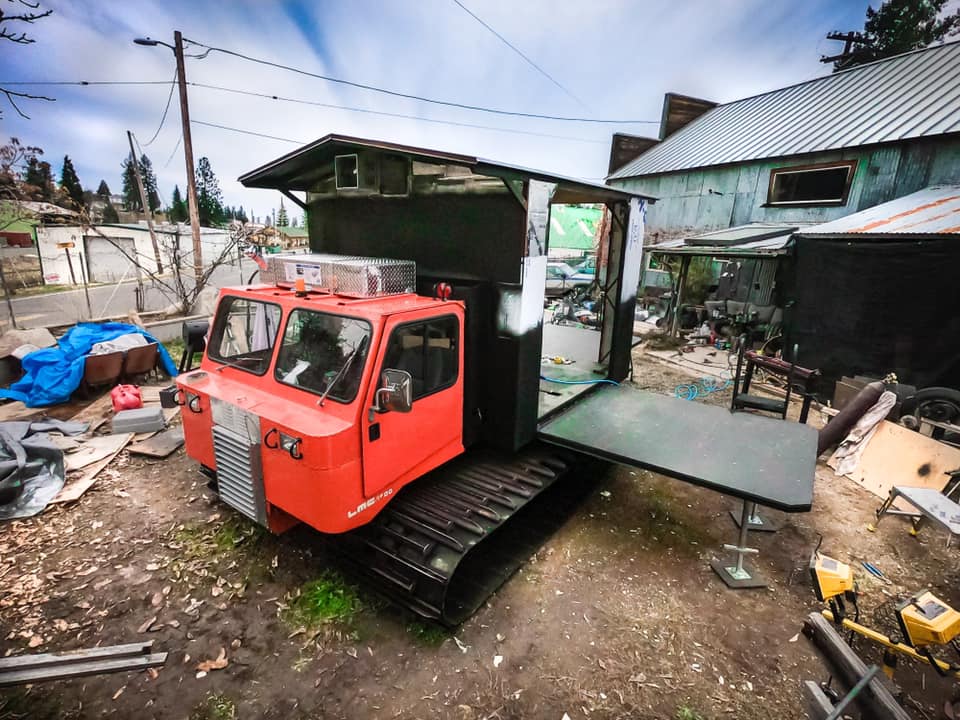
219	664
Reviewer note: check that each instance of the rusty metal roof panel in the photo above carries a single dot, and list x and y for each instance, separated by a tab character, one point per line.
908	96
751	240
931	211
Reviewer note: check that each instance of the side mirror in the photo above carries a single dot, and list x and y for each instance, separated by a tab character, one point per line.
395	393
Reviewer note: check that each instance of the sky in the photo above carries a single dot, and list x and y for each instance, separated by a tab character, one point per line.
614	59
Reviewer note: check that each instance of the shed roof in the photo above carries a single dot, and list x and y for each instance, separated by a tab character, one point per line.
907	96
932	211
298	170
751	240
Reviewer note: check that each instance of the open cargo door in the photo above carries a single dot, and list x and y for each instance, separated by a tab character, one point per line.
759	459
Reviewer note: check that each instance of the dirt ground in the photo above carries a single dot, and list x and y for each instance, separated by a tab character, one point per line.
618	616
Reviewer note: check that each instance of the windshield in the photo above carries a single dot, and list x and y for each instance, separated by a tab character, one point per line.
244	334
323	353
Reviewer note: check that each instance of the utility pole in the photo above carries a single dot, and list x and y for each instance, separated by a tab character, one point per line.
188	156
143	202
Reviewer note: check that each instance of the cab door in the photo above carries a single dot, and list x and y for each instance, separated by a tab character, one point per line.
401	446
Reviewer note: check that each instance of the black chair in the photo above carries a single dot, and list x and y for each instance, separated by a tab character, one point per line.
743	400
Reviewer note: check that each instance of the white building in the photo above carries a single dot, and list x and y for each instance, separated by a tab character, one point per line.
70	254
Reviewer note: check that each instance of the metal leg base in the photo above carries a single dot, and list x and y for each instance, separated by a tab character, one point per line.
734	579
757	523
734	573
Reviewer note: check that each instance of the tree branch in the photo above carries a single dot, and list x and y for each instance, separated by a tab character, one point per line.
12	94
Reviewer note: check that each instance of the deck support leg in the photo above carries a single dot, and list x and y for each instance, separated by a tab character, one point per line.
757	522
738	575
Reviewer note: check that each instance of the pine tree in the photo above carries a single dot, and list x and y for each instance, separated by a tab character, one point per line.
70	183
178	207
149	183
103	191
241	214
282	219
39	177
209	197
131	194
110	214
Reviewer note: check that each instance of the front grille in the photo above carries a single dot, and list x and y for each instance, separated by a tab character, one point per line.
239	475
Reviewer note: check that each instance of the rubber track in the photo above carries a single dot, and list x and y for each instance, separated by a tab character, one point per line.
432	550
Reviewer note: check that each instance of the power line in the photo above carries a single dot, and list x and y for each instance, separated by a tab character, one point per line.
247	132
419	98
173	152
517	50
163	118
90	82
394	115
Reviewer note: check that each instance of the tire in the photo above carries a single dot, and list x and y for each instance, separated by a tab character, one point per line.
935	403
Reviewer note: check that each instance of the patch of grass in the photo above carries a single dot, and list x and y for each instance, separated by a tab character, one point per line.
327	599
685	712
428	633
175	348
215	707
203	541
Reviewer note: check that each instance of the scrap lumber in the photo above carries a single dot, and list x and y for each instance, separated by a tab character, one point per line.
16	410
160	445
96	413
75	489
24	669
876	700
896	455
94	450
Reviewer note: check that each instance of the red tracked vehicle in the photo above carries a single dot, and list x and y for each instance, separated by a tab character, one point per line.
399	401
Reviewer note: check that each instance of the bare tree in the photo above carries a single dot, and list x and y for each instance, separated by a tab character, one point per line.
11	29
179	286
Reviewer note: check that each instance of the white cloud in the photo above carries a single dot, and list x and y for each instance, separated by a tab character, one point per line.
618	56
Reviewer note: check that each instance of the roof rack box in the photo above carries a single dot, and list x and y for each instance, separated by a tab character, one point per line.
342	274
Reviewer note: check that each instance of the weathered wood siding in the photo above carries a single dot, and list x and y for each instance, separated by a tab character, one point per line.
720	197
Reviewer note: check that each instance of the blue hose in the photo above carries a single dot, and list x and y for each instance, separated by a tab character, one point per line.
702	387
579	382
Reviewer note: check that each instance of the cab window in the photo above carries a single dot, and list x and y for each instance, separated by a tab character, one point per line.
323	353
428	351
244	334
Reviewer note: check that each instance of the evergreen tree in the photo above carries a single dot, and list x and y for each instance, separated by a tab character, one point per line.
209	197
103	191
109	214
295	222
282	219
178	207
149	183
900	26
241	214
39	178
131	194
70	183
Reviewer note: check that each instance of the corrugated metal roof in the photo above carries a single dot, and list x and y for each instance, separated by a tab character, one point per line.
771	240
907	96
931	211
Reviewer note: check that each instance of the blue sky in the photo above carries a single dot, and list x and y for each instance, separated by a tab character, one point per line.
617	56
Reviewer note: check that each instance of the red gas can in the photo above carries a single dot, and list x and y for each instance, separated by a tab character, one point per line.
126	397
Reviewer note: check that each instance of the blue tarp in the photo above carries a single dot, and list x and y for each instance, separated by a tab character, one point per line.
53	374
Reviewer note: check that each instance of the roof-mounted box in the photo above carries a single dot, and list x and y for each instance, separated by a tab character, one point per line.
343	275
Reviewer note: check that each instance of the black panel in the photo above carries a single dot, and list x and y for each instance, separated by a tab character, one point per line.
869	308
466	236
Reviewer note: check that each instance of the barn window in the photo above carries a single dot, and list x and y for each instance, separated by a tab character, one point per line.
825	184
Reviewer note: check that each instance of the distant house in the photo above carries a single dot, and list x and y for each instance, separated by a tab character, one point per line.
743	180
73	254
293	237
19	220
